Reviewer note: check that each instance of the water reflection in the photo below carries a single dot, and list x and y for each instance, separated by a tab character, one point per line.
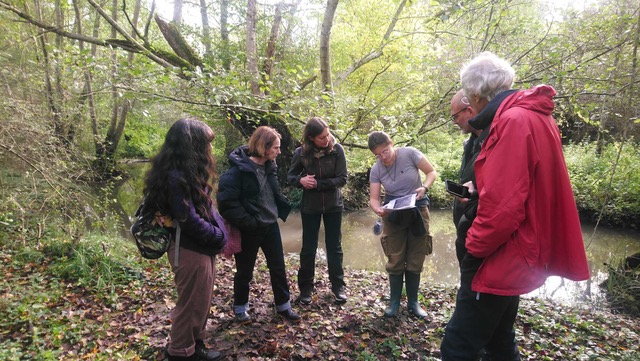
362	250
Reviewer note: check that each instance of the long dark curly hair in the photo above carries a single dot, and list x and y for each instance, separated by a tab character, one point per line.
187	150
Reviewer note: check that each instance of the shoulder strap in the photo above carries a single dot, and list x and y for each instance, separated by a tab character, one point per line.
177	250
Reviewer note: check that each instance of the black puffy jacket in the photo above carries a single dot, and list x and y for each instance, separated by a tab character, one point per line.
239	188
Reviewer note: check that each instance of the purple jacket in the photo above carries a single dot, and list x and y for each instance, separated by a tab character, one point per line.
198	233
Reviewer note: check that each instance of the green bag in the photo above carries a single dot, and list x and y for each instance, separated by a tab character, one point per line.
152	238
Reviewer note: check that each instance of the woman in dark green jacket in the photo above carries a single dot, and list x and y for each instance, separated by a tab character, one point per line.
319	167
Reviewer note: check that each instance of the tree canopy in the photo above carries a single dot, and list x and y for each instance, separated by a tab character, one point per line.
98	81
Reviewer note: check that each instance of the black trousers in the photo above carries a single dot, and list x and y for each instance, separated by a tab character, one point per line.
481	322
269	240
333	242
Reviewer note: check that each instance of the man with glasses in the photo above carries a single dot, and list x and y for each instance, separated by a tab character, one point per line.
464	210
526	227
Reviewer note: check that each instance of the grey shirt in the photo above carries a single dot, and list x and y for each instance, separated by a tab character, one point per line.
267	202
403	176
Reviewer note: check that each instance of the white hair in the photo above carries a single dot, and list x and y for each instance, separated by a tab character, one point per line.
486	76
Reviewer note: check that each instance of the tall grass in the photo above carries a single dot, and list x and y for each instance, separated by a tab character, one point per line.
623	288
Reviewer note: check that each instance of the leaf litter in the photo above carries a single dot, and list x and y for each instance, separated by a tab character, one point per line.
89	326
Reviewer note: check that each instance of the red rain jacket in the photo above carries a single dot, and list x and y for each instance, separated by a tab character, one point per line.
527	226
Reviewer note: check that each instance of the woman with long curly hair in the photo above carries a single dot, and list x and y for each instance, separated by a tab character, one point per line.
179	186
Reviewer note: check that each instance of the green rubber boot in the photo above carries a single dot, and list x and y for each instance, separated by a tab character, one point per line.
395	292
413	282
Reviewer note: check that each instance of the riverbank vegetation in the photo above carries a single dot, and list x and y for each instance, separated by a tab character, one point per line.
101	301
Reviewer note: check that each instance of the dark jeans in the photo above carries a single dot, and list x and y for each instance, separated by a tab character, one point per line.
481	321
332	239
268	239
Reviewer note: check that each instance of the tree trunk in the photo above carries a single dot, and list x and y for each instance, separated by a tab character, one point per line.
206	31
89	91
52	103
116	129
267	68
65	129
185	54
252	52
105	154
288	30
325	40
177	12
224	35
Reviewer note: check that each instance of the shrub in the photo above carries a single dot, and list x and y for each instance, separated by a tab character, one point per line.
622	288
598	189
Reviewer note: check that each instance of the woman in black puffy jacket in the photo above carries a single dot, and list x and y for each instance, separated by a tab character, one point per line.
249	198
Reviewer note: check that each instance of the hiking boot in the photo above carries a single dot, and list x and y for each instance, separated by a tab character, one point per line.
290	315
305	297
242	318
340	295
205	354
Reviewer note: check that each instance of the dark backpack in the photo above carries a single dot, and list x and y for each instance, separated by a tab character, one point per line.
152	238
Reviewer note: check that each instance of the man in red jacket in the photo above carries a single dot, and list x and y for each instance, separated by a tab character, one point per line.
526	228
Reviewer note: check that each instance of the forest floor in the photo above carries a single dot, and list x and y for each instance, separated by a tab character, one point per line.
76	323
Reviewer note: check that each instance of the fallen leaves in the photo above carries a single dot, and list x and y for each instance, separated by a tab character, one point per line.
42	317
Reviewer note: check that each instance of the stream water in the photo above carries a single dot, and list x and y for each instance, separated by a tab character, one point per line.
362	248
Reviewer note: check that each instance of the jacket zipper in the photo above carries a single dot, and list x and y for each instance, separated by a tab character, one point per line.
322	192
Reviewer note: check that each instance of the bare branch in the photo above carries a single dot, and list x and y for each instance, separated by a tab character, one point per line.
376	53
129	38
122	44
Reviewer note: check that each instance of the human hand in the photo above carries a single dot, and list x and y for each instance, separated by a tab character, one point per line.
309	181
381	212
471	186
420	191
472	190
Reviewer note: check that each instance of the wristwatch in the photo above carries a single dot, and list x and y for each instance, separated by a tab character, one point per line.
426	190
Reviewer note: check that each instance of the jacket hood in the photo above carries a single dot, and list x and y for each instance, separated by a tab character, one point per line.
239	157
484	119
538	99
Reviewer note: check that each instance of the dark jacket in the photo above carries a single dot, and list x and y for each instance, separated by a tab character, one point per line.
197	233
239	189
465	212
330	171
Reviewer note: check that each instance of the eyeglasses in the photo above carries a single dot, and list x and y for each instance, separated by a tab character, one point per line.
384	153
455	116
